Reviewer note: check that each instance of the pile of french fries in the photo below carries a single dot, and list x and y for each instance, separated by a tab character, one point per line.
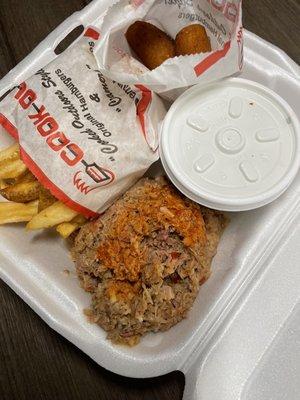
29	201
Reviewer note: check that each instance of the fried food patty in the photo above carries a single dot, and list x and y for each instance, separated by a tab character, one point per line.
151	45
145	259
192	39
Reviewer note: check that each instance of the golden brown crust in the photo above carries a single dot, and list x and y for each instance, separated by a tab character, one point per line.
151	45
192	39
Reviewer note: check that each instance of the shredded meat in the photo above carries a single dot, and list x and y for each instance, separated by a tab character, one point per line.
153	208
145	259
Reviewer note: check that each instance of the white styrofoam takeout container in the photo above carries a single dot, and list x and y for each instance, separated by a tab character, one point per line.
246	315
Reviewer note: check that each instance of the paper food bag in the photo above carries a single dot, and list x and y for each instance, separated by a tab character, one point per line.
85	137
221	19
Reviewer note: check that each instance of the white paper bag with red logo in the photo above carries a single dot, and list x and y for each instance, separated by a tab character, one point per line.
85	137
222	20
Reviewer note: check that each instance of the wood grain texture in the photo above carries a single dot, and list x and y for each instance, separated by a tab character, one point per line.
35	362
276	21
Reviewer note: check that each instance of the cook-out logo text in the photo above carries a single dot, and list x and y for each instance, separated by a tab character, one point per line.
71	153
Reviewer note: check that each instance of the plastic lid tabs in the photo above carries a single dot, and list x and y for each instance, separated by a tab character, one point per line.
232	145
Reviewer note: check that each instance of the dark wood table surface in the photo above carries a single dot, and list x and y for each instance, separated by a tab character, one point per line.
36	362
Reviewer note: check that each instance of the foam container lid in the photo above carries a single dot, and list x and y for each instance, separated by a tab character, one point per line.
241	338
232	145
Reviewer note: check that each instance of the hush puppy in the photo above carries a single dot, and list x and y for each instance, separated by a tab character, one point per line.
192	39
151	45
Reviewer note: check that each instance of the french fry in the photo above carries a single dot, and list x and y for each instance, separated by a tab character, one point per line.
10	153
52	216
67	228
45	199
16	212
29	200
12	169
23	192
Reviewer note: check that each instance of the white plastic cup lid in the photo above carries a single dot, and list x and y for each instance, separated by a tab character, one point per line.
232	145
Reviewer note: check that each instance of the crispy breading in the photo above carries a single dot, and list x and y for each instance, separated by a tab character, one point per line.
151	45
22	192
192	39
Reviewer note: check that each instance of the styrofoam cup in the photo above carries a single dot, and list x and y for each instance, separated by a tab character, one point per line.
232	145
